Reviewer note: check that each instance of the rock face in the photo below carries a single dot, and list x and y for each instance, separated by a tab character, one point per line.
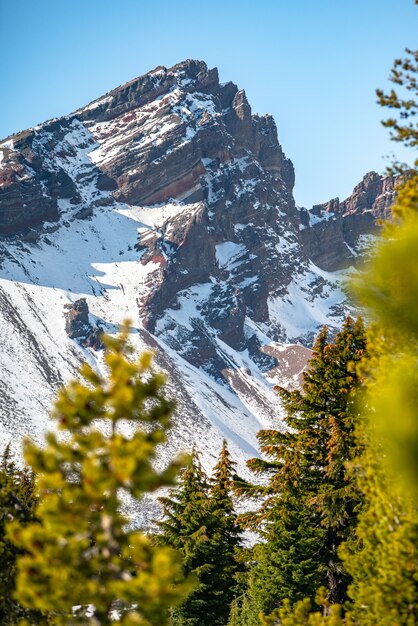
78	325
332	233
28	191
168	202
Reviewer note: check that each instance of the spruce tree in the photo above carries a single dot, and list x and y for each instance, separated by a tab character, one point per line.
84	564
228	532
310	503
200	521
188	526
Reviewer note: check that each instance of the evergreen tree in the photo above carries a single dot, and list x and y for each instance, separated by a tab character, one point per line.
338	497
17	502
235	613
382	558
302	615
81	552
310	504
403	102
228	532
187	526
200	522
243	611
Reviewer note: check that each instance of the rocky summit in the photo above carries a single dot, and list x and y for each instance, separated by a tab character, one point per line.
168	202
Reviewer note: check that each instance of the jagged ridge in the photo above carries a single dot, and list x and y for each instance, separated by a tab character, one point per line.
168	201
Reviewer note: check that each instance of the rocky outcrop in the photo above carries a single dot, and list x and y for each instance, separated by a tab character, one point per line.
42	170
331	233
79	327
373	195
28	190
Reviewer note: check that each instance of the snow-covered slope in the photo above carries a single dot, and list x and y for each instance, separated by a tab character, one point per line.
169	203
38	280
96	259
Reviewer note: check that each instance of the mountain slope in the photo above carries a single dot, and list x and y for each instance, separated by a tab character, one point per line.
169	203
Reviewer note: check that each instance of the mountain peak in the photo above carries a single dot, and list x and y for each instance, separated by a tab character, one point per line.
187	75
167	201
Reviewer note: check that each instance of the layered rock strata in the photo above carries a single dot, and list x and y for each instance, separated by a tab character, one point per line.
226	261
334	233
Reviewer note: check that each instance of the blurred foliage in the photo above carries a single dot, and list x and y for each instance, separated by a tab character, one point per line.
17	502
302	614
384	563
389	290
84	564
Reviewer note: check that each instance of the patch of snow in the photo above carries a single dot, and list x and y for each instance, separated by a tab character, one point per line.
245	187
305	309
157	72
350	249
97	103
189	302
285	244
153	217
242	163
228	253
7	144
317	219
364	243
247	282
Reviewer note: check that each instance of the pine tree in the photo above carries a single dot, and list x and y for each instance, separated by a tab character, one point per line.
81	552
403	102
310	504
17	502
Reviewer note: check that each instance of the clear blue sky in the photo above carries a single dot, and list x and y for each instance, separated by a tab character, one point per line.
312	64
